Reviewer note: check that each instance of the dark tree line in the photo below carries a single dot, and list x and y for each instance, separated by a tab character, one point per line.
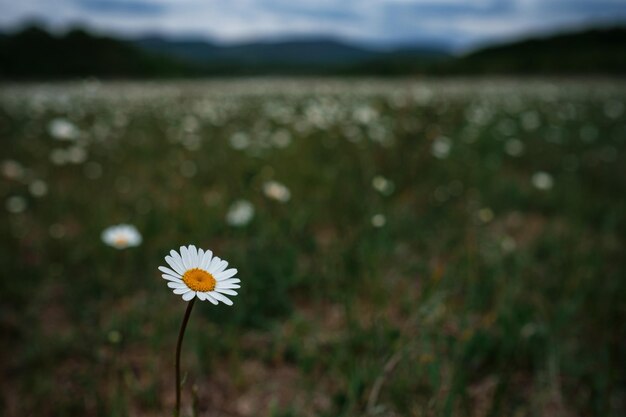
34	53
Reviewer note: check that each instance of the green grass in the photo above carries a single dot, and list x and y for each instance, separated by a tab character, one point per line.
480	295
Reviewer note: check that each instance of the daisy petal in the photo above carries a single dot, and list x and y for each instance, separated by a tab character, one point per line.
178	261
200	256
171	278
228	286
175	262
193	256
168	271
206	260
222	298
211	299
226	291
230	281
189	295
180	291
185	255
214	262
226	274
221	267
173	284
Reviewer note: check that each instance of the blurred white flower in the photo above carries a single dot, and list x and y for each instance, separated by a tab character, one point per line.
508	244
514	147
613	109
528	330
239	141
197	273
485	215
114	337
379	220
380	134
15	204
441	147
12	170
57	231
530	120
382	185
63	129
364	114
121	236
240	213
76	154
59	156
38	188
542	180
190	124
506	127
281	138
276	191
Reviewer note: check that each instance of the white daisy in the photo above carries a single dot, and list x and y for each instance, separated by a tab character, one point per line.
38	188
441	147
12	170
15	204
379	220
197	273
240	213
514	147
542	180
276	191
121	236
382	185
63	129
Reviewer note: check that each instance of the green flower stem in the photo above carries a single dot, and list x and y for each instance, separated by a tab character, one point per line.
183	326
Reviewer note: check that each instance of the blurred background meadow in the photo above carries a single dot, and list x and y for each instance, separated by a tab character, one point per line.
431	225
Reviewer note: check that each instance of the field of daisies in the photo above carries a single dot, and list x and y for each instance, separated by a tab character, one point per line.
402	247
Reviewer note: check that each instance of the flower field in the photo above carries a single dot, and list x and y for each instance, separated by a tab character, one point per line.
405	247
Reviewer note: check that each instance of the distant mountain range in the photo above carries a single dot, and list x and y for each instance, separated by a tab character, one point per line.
319	52
33	53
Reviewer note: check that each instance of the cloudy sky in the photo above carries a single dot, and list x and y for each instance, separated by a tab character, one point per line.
458	23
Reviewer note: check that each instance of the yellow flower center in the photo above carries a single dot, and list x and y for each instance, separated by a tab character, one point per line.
120	241
199	280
